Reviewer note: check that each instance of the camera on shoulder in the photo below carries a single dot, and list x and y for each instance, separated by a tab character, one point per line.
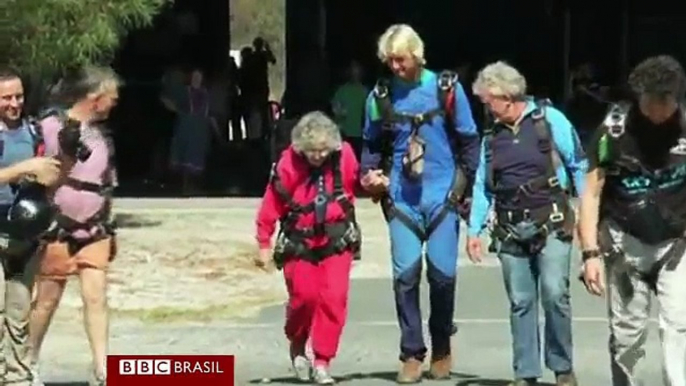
71	143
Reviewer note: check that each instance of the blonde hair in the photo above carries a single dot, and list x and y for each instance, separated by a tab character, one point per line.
401	39
313	129
500	79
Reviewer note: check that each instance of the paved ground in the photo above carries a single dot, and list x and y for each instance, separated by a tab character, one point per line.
368	352
368	355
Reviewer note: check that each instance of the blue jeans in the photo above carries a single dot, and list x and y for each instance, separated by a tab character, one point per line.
523	274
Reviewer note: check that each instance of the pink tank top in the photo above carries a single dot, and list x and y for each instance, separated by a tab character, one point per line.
79	205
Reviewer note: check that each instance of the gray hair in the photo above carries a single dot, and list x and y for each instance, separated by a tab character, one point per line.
312	130
88	81
500	79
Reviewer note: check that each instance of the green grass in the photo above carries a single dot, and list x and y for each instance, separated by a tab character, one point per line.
165	314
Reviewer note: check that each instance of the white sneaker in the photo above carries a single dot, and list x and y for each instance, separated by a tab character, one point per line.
302	368
322	376
35	376
97	380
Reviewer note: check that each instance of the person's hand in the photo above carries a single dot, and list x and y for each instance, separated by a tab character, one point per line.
474	249
375	182
594	276
44	170
264	260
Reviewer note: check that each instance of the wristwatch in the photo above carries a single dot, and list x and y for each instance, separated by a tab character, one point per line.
590	254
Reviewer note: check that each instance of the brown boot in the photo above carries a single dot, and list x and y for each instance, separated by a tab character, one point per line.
566	379
411	372
440	367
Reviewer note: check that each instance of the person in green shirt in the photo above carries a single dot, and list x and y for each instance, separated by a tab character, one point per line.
348	105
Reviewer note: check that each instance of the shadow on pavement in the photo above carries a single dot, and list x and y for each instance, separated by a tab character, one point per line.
125	220
283	380
381	375
392	375
492	382
66	384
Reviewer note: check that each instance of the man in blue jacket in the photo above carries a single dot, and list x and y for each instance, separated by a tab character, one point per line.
420	154
525	158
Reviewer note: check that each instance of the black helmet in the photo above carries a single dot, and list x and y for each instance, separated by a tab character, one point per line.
31	213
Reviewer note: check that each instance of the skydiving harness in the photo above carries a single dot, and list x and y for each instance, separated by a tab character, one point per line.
101	225
413	159
342	235
611	157
554	218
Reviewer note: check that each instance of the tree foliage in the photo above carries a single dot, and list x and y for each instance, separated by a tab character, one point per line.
49	36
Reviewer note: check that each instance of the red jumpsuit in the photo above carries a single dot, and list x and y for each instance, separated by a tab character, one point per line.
318	294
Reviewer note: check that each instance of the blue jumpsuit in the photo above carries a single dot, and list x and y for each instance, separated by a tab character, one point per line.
422	201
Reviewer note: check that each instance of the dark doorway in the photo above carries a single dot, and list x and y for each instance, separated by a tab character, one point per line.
529	35
189	34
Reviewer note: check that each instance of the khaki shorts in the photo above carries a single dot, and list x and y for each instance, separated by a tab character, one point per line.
58	264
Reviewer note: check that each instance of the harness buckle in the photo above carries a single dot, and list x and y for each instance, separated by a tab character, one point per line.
615	121
381	91
526	214
417	120
447	80
615	131
556	216
537	113
553	182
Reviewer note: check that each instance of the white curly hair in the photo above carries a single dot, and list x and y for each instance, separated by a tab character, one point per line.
313	130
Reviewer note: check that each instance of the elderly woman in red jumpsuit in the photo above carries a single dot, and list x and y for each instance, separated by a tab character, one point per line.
311	194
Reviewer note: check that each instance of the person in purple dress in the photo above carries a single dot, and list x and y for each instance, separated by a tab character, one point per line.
192	133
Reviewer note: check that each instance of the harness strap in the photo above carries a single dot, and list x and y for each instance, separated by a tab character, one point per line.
489	134
390	212
545	141
294	239
549	219
531	186
338	191
384	144
416	120
85	185
296	210
545	145
446	101
555	213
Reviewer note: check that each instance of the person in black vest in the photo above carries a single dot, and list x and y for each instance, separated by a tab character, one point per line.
523	170
633	220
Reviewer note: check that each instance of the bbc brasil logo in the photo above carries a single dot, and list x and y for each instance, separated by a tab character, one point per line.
145	367
168	367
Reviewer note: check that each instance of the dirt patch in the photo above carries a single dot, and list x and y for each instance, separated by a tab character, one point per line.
182	259
187	266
